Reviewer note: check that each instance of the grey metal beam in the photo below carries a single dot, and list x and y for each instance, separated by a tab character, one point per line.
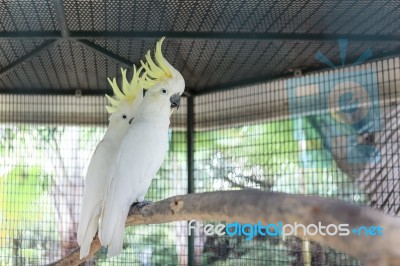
190	166
236	84
30	35
98	49
235	36
190	143
77	35
26	57
59	8
263	79
41	91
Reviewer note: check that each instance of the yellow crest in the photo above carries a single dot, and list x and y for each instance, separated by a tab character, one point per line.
155	71
129	89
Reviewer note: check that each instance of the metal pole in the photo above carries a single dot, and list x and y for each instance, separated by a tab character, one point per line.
190	167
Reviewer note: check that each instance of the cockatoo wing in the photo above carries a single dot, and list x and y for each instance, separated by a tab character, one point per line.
95	186
140	156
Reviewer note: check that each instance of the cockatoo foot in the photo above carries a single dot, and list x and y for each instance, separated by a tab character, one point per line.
141	204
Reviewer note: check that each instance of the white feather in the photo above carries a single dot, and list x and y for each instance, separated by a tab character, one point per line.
141	155
97	177
95	186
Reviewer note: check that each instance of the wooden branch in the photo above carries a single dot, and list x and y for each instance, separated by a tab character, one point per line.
252	206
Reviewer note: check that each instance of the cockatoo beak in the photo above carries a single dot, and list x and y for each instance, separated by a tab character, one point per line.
175	100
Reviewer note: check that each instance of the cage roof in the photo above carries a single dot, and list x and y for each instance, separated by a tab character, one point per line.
60	47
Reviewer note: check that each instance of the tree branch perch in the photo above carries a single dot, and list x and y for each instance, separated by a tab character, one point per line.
252	206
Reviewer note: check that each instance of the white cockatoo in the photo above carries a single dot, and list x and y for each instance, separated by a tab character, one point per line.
143	149
124	105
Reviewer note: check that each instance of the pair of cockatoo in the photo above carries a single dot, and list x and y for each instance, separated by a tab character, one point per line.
131	151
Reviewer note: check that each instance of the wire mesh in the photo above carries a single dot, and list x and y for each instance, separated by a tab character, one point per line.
230	62
46	142
234	16
259	40
28	16
286	136
300	135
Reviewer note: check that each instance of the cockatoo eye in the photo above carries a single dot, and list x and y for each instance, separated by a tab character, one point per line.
124	116
164	91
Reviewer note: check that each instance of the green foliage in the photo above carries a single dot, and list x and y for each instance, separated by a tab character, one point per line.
153	245
227	251
246	156
263	156
19	190
90	136
267	156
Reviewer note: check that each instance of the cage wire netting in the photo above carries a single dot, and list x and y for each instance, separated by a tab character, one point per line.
43	167
268	107
286	136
